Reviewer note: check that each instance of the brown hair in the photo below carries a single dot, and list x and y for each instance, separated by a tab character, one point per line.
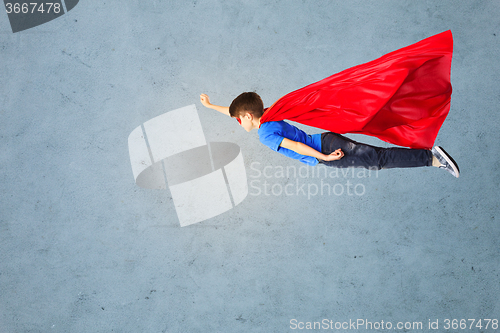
246	102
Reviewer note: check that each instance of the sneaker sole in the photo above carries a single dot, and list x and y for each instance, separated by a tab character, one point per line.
449	159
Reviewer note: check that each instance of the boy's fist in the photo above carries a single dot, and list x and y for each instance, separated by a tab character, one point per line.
336	155
205	100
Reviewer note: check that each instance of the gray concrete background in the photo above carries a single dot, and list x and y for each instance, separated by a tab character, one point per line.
83	249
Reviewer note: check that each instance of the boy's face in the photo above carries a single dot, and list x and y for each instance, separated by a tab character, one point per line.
246	122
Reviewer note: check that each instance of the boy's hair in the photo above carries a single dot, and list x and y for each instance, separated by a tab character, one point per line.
246	102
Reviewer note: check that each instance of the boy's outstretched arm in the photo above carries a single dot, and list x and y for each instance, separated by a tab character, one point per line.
205	100
304	149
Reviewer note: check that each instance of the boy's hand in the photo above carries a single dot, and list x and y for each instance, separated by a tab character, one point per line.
205	100
336	155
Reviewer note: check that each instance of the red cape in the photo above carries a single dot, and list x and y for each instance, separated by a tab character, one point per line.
402	97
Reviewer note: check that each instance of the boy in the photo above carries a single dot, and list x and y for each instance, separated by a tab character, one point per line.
328	148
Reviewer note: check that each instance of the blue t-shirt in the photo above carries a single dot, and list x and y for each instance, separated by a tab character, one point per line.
272	133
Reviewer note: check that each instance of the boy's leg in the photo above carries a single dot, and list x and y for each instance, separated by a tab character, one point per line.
396	157
366	156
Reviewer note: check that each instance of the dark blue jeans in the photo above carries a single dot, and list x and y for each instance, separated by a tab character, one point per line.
360	155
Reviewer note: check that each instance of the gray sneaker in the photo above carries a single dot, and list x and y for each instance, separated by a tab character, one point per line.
446	161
